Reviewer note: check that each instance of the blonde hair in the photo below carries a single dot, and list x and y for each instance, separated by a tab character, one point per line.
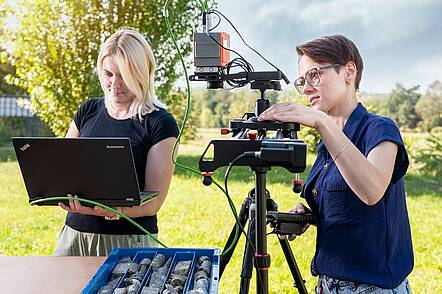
136	63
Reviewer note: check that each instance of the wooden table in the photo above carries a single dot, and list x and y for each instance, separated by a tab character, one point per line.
46	274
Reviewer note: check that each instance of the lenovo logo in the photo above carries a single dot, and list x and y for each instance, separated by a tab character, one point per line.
24	147
114	146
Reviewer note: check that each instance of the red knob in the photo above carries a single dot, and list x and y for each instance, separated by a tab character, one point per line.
252	136
225	131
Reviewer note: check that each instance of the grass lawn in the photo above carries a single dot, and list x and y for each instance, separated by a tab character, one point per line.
198	216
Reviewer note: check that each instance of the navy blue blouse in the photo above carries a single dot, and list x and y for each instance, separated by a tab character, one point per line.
355	241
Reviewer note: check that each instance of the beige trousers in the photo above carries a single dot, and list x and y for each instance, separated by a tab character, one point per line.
75	243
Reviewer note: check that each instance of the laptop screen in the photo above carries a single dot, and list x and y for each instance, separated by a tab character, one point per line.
99	169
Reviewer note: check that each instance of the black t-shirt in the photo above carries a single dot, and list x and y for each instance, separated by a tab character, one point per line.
93	120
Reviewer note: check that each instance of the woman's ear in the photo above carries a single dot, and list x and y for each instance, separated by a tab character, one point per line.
350	70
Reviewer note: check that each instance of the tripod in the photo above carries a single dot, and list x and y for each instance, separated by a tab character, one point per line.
254	209
260	153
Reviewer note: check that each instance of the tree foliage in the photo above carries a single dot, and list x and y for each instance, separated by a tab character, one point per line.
429	157
54	46
177	104
400	106
6	88
6	69
215	108
429	107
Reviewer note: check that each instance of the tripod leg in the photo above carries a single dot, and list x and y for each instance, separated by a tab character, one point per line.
262	257
248	258
243	216
299	282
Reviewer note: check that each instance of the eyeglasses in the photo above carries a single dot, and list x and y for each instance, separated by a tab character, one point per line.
312	77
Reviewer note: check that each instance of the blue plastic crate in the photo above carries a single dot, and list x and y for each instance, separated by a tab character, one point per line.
102	276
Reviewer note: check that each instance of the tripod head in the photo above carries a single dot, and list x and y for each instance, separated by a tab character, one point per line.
250	139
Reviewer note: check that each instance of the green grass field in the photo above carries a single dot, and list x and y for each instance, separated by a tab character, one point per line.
198	216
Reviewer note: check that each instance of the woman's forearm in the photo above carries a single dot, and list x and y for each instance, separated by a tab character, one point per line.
150	208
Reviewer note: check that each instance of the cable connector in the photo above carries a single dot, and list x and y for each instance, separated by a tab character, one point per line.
255	154
205	28
206	22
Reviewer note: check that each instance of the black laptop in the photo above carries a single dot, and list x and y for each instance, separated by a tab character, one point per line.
99	169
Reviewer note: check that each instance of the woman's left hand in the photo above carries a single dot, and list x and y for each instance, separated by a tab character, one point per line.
293	112
76	207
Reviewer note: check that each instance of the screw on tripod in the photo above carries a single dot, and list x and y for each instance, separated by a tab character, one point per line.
297	184
207	178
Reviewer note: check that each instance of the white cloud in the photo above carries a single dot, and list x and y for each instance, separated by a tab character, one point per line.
386	31
380	21
425	72
382	78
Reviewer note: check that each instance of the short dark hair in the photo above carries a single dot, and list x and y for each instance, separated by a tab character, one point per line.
333	49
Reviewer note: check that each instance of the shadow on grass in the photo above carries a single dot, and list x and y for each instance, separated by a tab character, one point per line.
418	185
238	173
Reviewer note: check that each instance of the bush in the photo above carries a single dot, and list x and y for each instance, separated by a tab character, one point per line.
21	126
429	157
437	131
412	150
177	107
311	137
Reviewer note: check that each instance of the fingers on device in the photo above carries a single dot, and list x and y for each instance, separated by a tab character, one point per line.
98	169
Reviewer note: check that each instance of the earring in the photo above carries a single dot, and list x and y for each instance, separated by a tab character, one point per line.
347	81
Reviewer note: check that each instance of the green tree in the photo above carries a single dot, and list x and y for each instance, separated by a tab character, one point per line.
6	69
429	157
429	107
400	106
177	104
217	107
7	72
203	113
240	102
54	47
375	103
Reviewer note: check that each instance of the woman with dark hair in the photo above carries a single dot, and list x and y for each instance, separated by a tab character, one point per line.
355	187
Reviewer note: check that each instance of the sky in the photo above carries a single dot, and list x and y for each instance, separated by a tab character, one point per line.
400	40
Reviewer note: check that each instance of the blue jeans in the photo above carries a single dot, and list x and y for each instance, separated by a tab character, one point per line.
327	285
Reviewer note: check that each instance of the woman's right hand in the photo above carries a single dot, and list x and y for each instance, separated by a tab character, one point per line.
300	209
76	207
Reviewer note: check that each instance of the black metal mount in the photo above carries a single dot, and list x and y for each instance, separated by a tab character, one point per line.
260	80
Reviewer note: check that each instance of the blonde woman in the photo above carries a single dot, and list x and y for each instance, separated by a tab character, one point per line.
126	69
